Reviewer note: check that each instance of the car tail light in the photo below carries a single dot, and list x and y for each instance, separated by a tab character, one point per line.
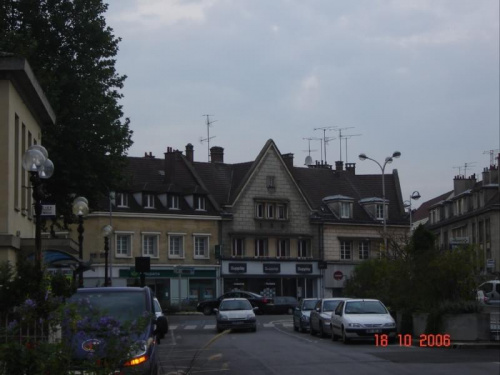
265	300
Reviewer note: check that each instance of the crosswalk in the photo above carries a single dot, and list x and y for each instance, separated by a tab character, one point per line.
197	327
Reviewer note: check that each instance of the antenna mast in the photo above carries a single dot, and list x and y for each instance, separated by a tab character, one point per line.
492	155
325	140
465	166
346	137
209	124
308	160
340	139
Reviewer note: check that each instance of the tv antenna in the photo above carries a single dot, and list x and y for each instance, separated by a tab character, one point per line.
492	155
341	137
346	137
465	166
209	124
325	141
309	160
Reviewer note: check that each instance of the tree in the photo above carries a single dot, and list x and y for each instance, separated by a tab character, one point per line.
72	53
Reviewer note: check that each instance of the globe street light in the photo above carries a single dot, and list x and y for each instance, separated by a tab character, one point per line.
416	196
80	209
388	160
107	230
36	161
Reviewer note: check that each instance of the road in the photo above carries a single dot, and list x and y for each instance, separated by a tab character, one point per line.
193	346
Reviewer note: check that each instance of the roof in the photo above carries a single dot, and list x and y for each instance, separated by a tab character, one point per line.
422	212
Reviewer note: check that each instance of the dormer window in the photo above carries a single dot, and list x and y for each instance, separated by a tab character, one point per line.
199	203
379	212
149	201
374	207
345	210
340	205
121	200
173	202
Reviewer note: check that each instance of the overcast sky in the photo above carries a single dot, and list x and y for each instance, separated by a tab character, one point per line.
417	76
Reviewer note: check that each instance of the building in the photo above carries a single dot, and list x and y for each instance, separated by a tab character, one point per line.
470	214
24	112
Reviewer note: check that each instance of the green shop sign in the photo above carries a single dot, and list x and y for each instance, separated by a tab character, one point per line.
166	273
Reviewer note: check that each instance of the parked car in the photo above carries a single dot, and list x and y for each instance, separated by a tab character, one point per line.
264	304
283	305
491	290
481	298
159	312
118	307
302	313
236	313
320	316
361	319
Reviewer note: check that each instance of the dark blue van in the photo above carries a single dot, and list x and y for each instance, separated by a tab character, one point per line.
115	326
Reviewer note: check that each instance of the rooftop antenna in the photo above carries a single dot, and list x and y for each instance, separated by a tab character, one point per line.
492	155
309	160
346	137
340	138
465	166
325	141
209	124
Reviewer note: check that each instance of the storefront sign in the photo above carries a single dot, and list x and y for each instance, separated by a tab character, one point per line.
304	268
272	268
237	268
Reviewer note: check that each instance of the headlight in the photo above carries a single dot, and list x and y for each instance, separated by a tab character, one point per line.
354	325
305	318
223	317
250	317
390	325
138	354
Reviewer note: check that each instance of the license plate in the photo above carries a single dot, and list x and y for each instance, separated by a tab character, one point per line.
373	331
237	322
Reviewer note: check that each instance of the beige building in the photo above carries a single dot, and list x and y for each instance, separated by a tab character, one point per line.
24	111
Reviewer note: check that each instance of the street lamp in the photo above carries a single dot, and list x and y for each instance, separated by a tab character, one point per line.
36	161
416	196
80	209
107	230
388	160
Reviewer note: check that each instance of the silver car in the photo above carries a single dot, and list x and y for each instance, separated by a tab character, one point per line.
235	313
301	314
320	316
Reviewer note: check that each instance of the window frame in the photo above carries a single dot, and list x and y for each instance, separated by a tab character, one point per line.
345	253
122	200
301	243
261	245
206	250
280	251
156	250
174	202
363	252
346	206
379	211
122	234
259	210
235	250
181	250
149	201
200	203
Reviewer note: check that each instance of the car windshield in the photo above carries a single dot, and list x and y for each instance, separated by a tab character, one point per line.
235	305
309	304
365	307
121	306
330	305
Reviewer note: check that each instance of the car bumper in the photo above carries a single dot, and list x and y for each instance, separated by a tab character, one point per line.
369	333
237	324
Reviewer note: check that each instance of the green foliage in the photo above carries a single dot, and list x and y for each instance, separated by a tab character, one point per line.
435	319
72	53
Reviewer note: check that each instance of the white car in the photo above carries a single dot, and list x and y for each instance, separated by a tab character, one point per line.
319	319
362	319
236	313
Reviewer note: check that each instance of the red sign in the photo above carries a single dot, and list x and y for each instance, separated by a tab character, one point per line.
338	275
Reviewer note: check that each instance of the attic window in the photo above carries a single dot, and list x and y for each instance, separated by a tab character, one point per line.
270	183
149	201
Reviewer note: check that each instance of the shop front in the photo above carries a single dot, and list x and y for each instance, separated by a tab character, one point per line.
271	279
189	287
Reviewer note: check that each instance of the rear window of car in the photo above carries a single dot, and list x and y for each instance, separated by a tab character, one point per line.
330	305
309	304
123	306
235	305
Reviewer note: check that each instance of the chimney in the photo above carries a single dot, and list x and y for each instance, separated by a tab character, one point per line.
339	166
350	167
217	154
190	152
288	159
169	164
462	183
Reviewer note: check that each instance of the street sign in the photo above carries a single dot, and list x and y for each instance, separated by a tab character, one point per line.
48	210
184	270
338	275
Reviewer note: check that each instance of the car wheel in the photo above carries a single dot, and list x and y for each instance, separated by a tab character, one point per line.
219	330
311	330
295	328
207	310
334	336
345	339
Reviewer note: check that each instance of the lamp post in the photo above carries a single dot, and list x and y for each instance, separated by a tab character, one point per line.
388	160
416	196
80	209
36	161
107	230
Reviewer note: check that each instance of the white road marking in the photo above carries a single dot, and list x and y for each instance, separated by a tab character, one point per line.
190	327
209	326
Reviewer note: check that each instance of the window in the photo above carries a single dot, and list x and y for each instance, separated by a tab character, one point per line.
150	245
270	211
259	210
238	247
261	247
345	249
123	244
174	202
281	212
270	182
121	200
283	248
379	211
199	203
201	247
176	245
345	210
303	250
149	201
364	250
